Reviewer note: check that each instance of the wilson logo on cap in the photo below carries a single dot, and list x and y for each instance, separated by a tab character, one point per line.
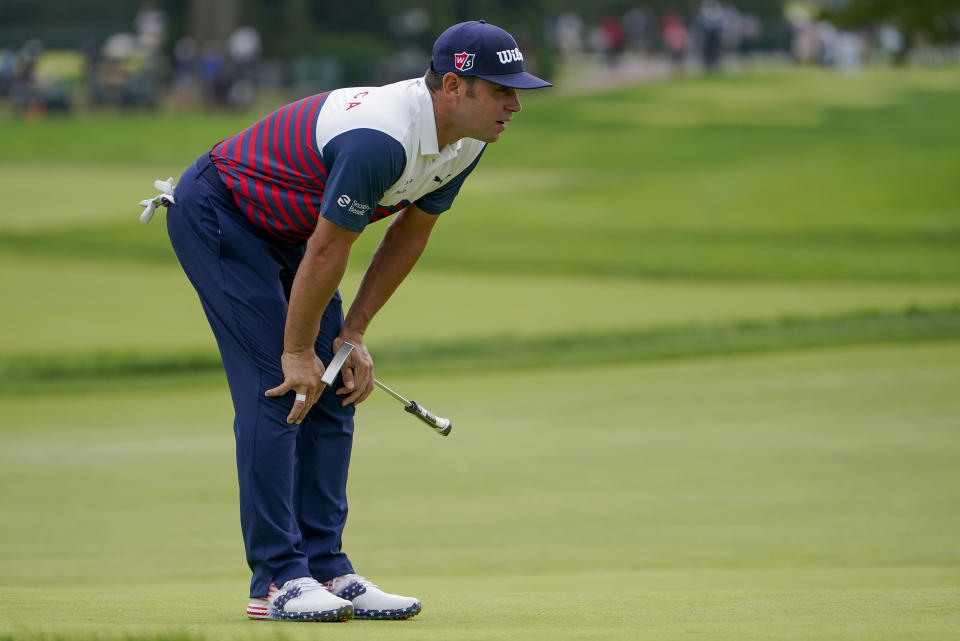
509	55
463	61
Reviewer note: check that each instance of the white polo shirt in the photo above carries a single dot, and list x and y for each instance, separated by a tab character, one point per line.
379	146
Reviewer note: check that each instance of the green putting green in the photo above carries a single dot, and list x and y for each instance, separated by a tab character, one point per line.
806	495
788	239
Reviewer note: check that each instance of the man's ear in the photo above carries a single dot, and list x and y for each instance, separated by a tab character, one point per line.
453	85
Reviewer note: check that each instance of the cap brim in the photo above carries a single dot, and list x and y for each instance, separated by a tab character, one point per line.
521	80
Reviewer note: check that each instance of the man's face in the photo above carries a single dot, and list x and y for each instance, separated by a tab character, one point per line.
486	110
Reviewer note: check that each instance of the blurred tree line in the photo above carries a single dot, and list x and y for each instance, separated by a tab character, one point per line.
296	27
367	28
933	20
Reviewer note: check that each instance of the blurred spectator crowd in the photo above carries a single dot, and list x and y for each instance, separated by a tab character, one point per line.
717	32
711	32
146	68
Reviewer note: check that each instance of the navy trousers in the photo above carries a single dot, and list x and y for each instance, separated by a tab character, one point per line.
292	479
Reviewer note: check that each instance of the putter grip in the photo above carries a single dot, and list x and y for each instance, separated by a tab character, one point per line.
441	425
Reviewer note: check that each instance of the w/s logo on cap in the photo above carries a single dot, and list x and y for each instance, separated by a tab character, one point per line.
463	61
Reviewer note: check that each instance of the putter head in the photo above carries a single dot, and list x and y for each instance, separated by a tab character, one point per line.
336	364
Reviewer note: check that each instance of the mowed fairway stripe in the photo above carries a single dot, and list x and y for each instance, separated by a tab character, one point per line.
148	307
784	496
71	372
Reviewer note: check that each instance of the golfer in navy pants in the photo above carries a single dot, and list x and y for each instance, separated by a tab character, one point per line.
288	473
263	225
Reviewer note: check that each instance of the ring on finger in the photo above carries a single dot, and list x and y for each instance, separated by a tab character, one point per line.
302	398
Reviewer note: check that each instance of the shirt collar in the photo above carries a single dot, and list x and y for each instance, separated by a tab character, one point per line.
428	127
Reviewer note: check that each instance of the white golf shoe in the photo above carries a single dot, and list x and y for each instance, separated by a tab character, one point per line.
369	601
303	599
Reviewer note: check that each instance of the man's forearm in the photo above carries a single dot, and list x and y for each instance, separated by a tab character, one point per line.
396	255
318	277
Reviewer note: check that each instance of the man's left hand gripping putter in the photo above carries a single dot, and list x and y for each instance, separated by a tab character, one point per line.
165	199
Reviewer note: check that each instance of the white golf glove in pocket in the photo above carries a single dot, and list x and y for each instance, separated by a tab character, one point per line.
165	199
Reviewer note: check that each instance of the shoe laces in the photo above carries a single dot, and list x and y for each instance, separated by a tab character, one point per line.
305	583
337	583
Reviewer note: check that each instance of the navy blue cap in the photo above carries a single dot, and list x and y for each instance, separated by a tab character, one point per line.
485	51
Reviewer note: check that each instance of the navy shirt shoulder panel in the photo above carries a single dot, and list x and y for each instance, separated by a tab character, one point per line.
361	164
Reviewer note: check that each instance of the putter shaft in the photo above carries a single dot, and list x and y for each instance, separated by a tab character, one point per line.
391	392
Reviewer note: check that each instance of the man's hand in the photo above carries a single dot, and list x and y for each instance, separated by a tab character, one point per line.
357	372
302	372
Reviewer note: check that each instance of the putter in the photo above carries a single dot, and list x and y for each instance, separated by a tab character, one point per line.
441	425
